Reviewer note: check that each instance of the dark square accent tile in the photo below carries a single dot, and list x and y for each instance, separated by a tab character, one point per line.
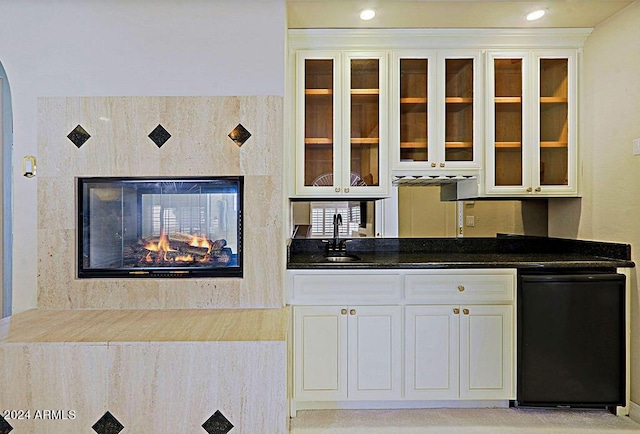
5	427
217	424
159	136
239	135
78	136
107	424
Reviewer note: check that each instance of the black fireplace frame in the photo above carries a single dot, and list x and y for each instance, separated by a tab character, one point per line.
149	271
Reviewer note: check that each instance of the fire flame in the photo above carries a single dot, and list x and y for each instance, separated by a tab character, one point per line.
163	246
159	251
197	241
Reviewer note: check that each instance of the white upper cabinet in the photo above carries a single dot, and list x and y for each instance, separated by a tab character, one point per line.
341	124
531	142
436	123
495	110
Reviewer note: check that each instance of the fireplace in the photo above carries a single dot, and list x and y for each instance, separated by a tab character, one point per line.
160	227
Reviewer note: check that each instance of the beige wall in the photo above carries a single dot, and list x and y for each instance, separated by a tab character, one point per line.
126	48
2	177
610	119
422	214
199	145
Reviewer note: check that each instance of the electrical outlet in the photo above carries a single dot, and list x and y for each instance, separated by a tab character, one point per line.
636	147
471	221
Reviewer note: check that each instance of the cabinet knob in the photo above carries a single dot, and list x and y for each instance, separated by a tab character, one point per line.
538	189
441	164
352	312
529	189
343	311
456	310
461	288
465	311
433	164
337	189
346	190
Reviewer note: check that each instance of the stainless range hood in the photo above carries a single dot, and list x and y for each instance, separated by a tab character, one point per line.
452	187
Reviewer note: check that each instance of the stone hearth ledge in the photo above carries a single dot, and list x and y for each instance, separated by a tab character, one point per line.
154	370
145	325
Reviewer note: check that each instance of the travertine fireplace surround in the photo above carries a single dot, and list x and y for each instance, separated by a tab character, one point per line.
199	145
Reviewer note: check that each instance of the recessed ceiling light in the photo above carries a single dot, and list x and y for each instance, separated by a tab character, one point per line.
536	15
367	14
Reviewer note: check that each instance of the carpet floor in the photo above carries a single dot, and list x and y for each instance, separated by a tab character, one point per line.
453	421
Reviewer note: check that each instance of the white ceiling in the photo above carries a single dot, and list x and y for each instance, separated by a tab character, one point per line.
450	14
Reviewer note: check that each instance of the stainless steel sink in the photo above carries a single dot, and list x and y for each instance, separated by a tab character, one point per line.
342	258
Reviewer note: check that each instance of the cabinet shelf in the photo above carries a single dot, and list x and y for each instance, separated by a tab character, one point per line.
508	100
318	92
508	145
504	145
553	100
413	100
365	140
318	141
458	100
450	145
365	92
413	145
553	144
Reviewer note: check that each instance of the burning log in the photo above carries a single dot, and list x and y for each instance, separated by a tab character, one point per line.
177	248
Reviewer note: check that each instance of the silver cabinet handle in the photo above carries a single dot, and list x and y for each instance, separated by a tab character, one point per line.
343	311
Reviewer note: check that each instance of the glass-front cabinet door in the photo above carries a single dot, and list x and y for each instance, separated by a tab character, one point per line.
317	158
508	167
531	124
436	111
459	112
414	75
341	113
556	127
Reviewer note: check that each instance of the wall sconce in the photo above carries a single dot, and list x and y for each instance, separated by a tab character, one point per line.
29	166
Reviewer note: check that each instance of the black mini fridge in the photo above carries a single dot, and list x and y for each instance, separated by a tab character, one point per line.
571	340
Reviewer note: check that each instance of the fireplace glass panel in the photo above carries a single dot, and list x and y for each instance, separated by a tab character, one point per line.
170	227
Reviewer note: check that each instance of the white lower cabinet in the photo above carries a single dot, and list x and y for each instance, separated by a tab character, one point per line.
347	352
403	338
459	352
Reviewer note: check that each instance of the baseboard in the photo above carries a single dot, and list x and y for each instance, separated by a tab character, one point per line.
634	411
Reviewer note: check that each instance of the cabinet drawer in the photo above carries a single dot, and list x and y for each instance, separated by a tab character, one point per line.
346	288
455	287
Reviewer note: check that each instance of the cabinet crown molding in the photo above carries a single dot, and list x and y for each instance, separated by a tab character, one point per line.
378	39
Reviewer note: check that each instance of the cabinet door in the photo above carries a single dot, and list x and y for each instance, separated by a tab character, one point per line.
431	341
459	80
531	124
320	359
375	352
555	156
318	112
508	145
486	352
365	121
413	108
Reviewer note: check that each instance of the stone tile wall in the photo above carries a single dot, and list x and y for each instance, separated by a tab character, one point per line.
199	145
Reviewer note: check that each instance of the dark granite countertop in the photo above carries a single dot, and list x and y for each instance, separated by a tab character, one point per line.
504	251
